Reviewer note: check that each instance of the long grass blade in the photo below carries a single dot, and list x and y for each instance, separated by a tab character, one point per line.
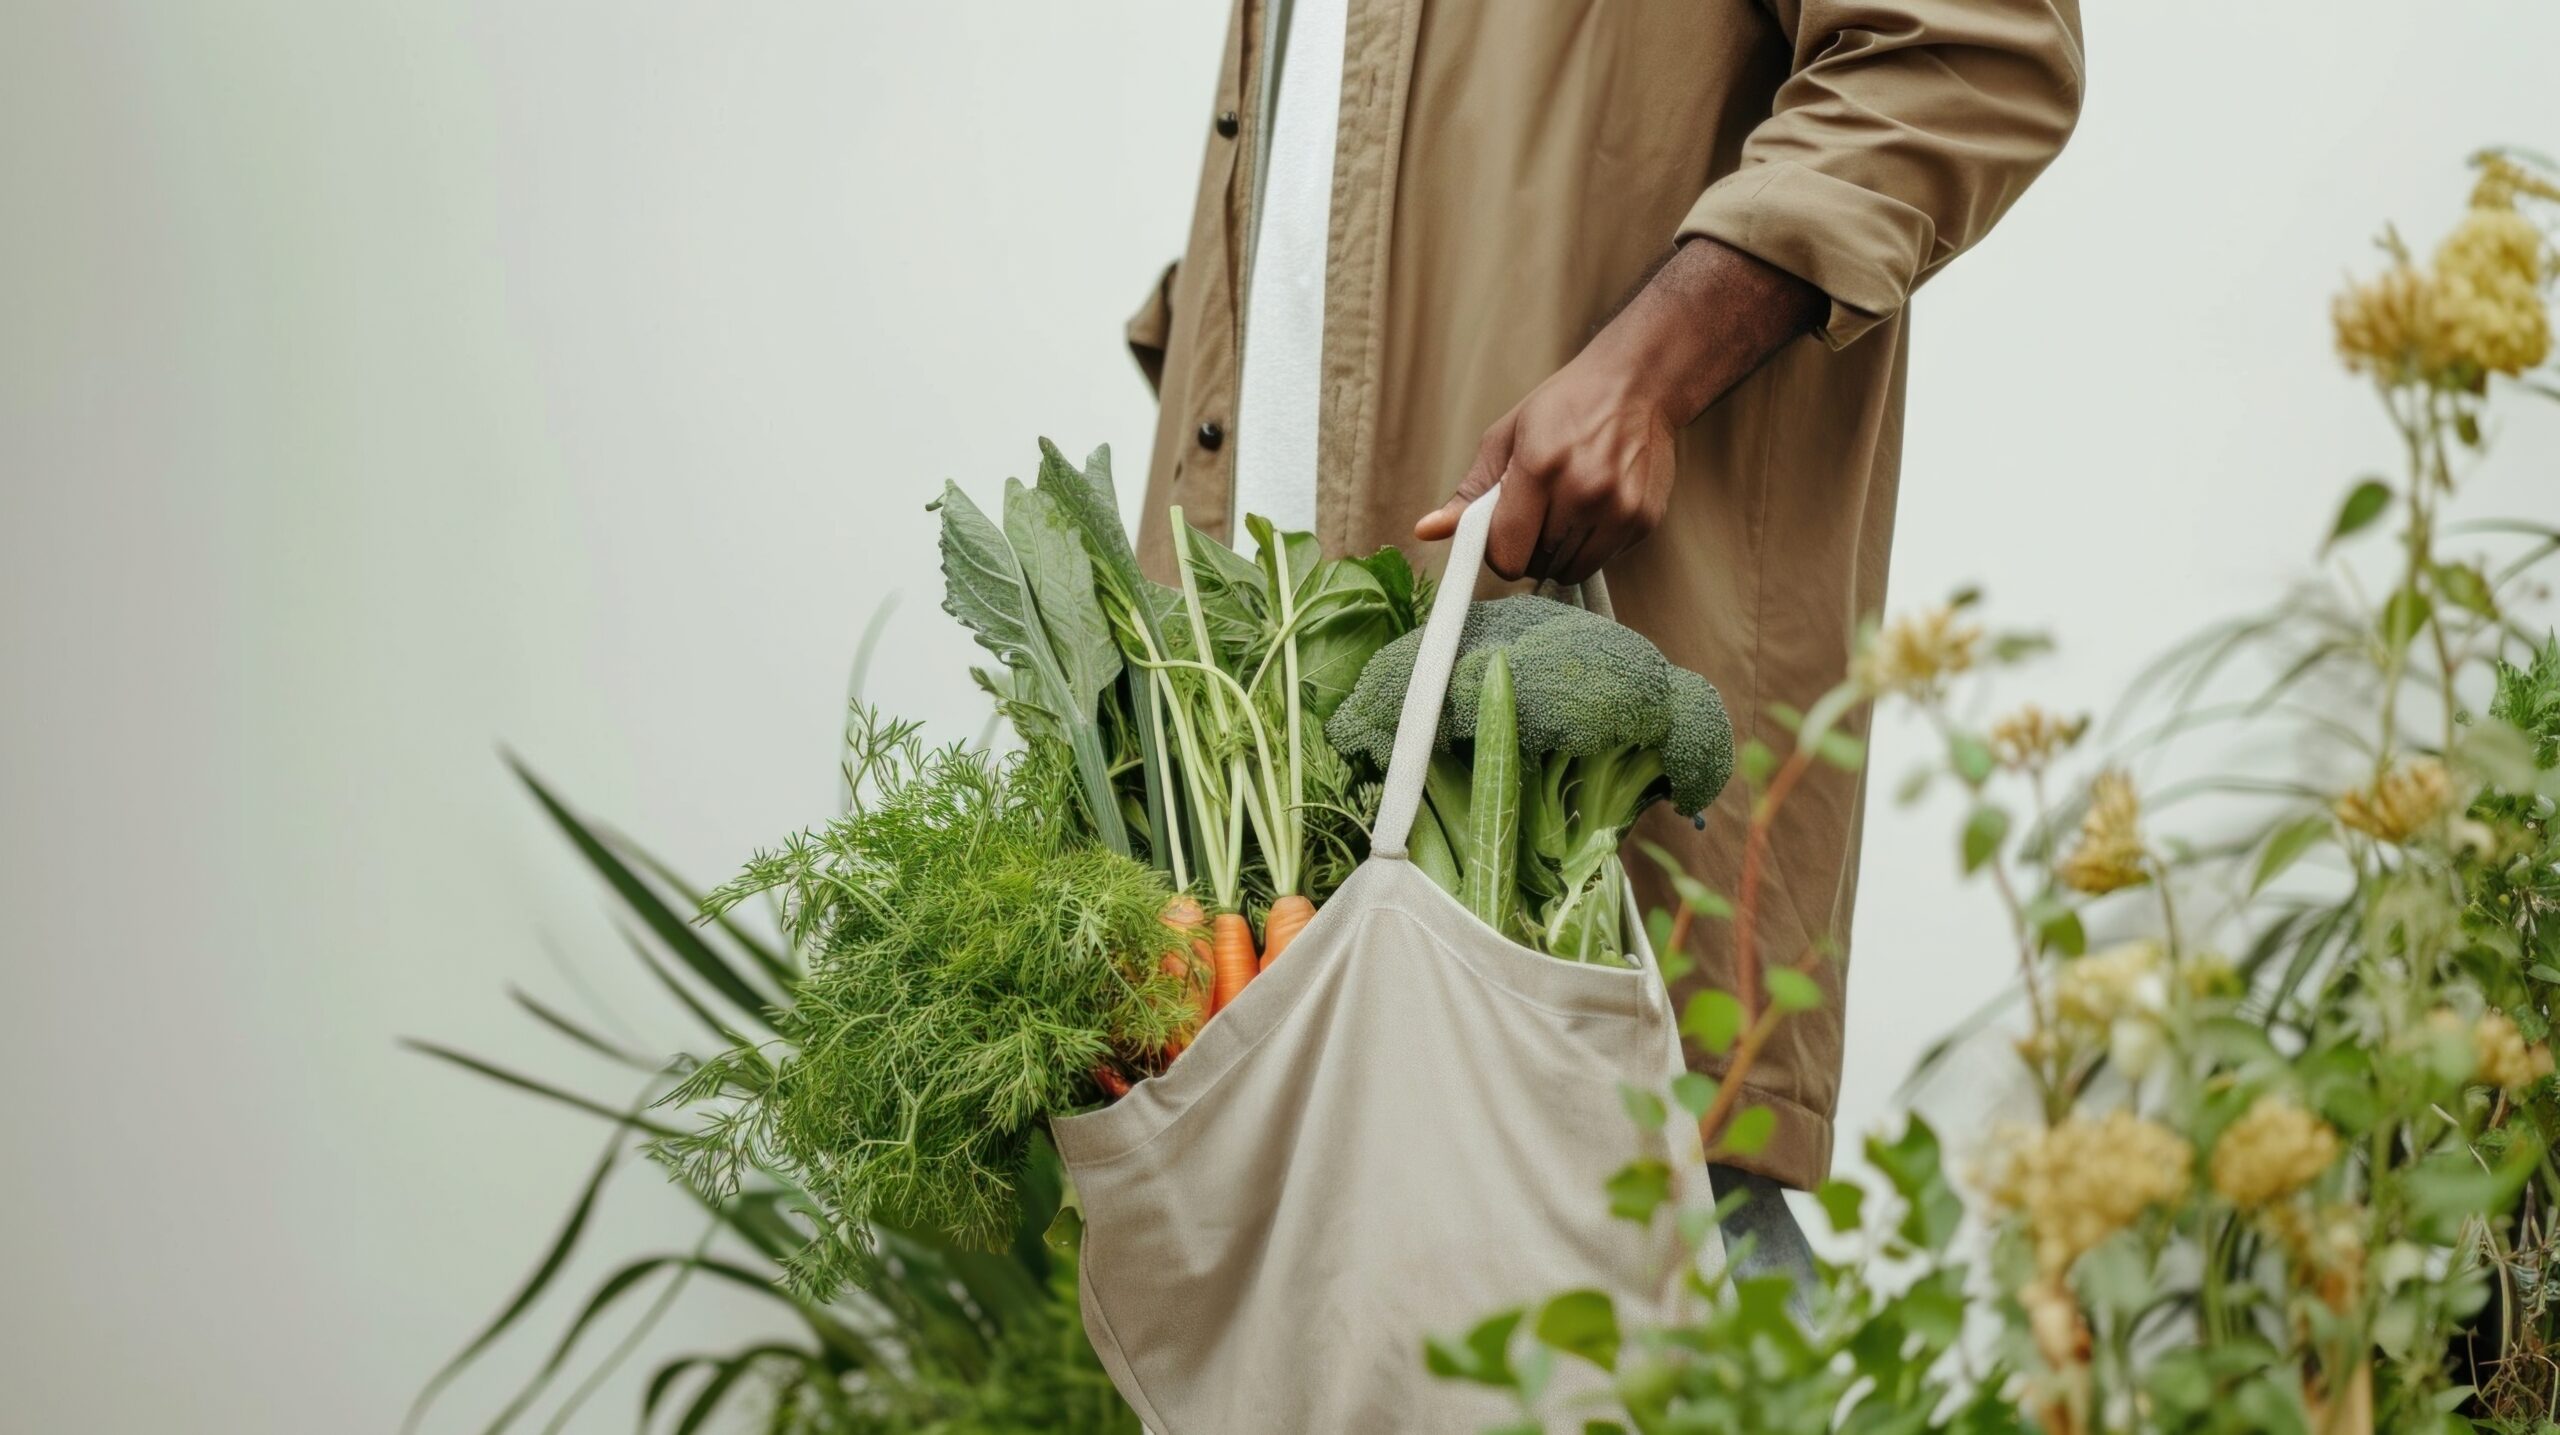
720	1030
551	1018
554	1257
538	1087
724	1377
613	1288
671	930
777	965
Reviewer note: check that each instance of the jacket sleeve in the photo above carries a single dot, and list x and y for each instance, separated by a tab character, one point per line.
1906	129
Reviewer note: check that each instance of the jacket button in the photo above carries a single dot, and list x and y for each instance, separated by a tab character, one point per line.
1212	437
1228	123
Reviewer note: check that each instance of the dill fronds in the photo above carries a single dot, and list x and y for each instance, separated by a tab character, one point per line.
969	959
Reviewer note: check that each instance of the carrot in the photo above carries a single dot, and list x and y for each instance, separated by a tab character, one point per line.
1231	956
1184	915
1108	1077
1289	916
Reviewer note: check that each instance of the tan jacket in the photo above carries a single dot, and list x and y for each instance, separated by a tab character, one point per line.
1506	171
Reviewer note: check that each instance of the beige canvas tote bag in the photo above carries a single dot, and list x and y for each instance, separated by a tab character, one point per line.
1402	1127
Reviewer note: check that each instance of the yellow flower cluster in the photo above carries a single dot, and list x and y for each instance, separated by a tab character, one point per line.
2116	997
2109	853
2327	1246
2400	803
2506	1061
2105	987
2477	309
2488	280
2029	738
2086	1179
2275	1150
1916	653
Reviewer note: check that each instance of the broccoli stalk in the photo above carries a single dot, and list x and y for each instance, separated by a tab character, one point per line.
1605	727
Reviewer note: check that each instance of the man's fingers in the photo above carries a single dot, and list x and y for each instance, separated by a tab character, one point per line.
1517	522
1564	556
1491	457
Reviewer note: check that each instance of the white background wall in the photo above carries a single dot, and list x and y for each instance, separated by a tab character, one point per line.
381	383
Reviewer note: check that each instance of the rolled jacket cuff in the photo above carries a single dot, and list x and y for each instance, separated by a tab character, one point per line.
1862	249
1799	1151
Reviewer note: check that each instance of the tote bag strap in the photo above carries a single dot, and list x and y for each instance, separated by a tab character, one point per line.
1428	688
1429	685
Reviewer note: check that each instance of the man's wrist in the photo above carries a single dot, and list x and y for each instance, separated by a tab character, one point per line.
1708	317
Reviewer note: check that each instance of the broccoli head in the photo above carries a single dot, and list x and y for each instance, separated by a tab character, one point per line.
1606	728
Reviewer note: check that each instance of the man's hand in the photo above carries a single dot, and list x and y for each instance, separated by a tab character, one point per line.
1586	460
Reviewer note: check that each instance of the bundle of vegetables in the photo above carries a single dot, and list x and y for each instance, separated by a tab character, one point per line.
993	941
1195	712
1560	728
971	957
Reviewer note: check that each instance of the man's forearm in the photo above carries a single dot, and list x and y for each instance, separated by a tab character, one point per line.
1587	459
1708	317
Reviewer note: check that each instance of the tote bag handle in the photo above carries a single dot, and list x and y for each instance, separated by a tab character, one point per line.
1401	800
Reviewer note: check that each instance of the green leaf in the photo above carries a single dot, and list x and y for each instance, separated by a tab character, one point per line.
2452	1186
1792	991
1701	899
1483	1357
1695	1093
1026	592
1713	1019
2365	503
2404	615
2463	586
2057	925
1638	1190
1970	758
2115	1278
1643	1107
1915	1166
1755	762
1749	1132
577	1033
555	1256
2286	845
1841	750
1845	1202
676	934
1581	1323
1985	828
1493	803
521	1082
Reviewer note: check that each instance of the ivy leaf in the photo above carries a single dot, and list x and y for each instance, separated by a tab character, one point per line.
2365	503
1985	828
2404	616
1791	990
1582	1323
1714	1019
1749	1132
2057	925
1701	899
1639	1189
1914	1163
1845	1202
1484	1356
1695	1093
1643	1107
2464	587
1970	757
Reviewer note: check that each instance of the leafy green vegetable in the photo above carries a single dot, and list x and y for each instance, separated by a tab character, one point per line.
1026	589
1605	726
971	958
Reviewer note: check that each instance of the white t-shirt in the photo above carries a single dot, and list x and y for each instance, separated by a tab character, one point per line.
1275	429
